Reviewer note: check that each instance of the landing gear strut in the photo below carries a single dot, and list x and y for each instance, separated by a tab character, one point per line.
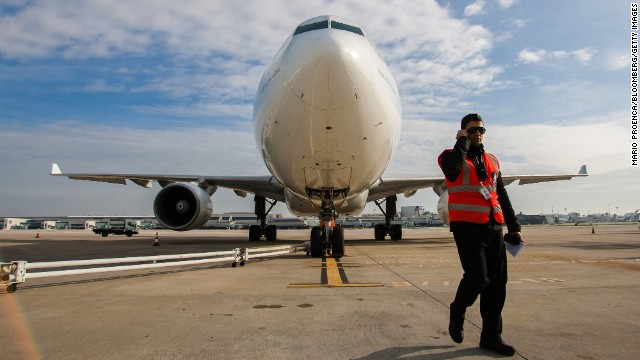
382	230
328	238
257	231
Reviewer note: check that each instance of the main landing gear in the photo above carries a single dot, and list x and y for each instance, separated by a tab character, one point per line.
382	230
328	238
257	231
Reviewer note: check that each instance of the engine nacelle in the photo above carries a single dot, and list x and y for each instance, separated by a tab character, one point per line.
443	207
354	205
299	206
182	206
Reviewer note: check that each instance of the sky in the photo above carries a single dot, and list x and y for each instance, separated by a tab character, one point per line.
167	87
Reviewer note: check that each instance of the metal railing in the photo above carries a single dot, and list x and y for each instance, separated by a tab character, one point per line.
17	272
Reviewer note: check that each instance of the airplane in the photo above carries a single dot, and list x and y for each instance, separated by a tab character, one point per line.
327	118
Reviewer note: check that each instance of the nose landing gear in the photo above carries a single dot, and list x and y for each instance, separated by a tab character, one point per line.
327	241
328	238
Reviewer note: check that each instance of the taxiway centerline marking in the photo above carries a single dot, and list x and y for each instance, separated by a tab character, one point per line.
333	275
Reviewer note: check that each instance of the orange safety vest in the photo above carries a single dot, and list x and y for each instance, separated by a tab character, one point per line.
466	202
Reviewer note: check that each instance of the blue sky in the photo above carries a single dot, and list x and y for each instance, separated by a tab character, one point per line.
167	87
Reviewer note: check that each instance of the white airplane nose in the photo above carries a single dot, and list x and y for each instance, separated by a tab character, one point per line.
330	76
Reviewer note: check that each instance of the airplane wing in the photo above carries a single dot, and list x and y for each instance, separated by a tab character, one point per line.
266	186
408	186
532	179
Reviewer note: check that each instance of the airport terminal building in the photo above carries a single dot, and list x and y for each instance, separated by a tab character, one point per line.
409	216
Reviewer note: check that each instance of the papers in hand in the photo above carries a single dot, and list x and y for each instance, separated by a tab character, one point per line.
514	249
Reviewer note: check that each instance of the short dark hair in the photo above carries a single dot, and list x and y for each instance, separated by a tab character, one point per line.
469	118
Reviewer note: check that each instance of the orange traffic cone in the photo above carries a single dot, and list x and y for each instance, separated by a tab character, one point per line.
38	234
156	242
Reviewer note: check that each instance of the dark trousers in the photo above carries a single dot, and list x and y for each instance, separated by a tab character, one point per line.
484	262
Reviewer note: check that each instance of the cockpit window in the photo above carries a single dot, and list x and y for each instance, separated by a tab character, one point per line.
341	26
309	27
325	24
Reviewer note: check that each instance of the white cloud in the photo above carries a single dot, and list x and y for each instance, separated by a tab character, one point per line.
193	44
505	4
475	8
584	55
530	56
619	62
520	23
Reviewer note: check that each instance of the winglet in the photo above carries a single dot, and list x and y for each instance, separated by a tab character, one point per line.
55	169
583	170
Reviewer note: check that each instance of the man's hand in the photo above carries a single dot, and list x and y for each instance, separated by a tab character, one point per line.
514	238
461	133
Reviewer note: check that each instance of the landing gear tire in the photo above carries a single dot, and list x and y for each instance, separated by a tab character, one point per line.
316	242
396	232
337	242
254	233
380	231
270	232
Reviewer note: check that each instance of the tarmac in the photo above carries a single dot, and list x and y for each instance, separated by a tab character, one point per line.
572	294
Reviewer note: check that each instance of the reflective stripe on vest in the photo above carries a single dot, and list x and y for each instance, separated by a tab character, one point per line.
466	203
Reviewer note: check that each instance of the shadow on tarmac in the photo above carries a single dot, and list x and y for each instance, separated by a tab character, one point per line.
413	352
601	245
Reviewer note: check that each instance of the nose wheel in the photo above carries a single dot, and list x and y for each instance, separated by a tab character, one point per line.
323	245
328	238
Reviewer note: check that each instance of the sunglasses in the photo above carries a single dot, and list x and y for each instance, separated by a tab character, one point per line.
473	130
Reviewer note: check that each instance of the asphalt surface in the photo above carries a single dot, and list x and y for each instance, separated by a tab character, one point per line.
572	294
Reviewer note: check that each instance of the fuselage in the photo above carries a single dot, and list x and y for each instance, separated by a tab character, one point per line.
327	116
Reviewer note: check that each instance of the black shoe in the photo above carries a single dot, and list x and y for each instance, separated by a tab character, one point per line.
497	345
456	332
456	321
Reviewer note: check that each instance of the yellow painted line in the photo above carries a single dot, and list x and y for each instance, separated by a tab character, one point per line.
333	277
303	285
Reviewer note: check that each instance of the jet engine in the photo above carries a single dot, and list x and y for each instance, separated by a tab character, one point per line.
183	206
443	207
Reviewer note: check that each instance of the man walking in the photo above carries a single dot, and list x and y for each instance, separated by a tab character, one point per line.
478	207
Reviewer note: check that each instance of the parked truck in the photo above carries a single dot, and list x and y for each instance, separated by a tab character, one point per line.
116	227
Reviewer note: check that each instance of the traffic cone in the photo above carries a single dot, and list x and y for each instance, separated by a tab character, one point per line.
38	234
593	231
156	242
